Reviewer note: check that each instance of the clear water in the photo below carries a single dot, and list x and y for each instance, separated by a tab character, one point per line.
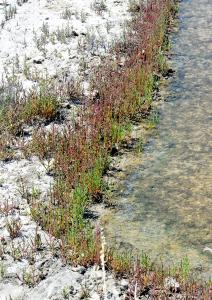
166	201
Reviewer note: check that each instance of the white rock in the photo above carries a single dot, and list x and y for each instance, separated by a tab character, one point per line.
171	283
207	249
124	283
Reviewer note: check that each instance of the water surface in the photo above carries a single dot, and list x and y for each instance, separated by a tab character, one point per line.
166	202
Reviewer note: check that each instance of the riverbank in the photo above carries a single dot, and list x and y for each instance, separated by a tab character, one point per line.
72	159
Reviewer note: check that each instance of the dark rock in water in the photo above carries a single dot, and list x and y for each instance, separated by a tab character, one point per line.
169	72
114	150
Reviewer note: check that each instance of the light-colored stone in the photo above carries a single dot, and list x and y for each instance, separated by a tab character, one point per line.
171	284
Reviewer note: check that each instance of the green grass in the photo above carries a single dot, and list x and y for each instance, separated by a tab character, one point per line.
153	120
37	107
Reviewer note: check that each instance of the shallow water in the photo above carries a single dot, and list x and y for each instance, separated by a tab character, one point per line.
166	201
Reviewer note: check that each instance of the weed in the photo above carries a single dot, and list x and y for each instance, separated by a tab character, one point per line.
162	64
85	292
65	292
145	261
67	13
83	16
3	244
22	187
63	34
13	227
139	144
16	252
99	6
7	207
21	2
37	241
45	29
134	6
7	153
109	26
185	267
119	262
38	106
29	277
2	271
9	12
153	120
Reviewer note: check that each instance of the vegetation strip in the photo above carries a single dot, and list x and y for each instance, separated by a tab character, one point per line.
81	155
123	89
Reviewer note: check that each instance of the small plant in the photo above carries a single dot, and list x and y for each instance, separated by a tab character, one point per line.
65	292
29	277
22	187
13	227
7	207
37	243
85	292
91	40
185	267
35	192
99	6
74	90
7	153
26	69
83	16
41	42
139	145
83	65
45	30
153	120
21	2
134	6
2	271
162	63
109	25
16	252
145	261
63	34
9	12
13	117
67	13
